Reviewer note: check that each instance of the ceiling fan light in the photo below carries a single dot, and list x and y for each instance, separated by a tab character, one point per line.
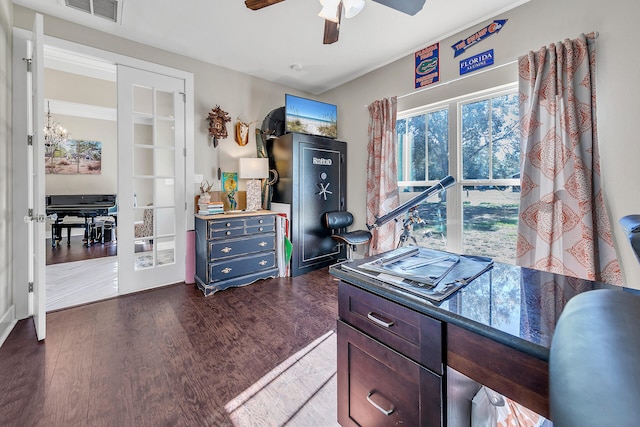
329	10
352	7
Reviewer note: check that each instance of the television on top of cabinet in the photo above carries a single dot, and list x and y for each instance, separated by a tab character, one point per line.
310	117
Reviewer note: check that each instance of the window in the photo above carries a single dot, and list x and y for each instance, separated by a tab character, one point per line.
481	217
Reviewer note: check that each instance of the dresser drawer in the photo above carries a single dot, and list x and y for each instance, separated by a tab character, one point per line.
226	228
240	266
232	247
260	221
413	334
264	228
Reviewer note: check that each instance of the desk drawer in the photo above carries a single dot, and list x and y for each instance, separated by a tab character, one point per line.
241	266
380	387
232	247
413	334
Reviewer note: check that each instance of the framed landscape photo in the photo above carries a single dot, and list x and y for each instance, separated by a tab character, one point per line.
74	157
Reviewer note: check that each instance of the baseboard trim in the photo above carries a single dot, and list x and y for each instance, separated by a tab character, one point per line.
7	322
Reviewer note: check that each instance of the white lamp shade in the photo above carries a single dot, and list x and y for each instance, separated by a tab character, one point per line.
253	168
329	10
352	7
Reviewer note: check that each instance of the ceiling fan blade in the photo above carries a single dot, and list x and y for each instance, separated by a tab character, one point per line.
410	7
259	4
332	29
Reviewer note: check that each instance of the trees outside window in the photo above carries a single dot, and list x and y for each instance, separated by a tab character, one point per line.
480	213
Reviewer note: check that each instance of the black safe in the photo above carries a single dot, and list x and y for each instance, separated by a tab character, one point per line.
312	180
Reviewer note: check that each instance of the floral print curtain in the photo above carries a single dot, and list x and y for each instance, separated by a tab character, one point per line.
382	173
564	226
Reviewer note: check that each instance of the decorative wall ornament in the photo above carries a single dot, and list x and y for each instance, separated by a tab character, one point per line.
217	124
242	132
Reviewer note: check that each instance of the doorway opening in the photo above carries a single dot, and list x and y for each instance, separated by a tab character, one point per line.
81	167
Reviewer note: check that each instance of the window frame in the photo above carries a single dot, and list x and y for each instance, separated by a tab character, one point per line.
454	205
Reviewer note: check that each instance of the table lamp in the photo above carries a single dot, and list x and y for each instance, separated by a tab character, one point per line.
254	169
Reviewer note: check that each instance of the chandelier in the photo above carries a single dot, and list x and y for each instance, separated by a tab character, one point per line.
54	133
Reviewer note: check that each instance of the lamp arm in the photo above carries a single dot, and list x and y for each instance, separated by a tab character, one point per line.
443	184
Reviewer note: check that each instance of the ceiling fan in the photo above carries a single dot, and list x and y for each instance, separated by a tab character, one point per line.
332	11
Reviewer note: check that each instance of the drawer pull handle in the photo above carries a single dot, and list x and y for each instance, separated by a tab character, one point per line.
226	249
260	229
228	224
263	262
262	244
228	233
387	412
226	270
379	321
261	221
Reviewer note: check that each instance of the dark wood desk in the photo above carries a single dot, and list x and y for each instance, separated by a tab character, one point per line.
497	330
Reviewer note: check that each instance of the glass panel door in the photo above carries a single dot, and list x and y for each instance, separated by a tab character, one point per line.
151	178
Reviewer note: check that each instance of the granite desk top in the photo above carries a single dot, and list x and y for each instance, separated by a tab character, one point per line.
516	306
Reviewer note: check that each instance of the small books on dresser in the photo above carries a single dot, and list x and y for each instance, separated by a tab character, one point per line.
210	208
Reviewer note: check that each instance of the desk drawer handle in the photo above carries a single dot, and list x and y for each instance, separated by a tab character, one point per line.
226	249
228	233
387	412
260	221
228	224
379	321
263	262
226	270
262	244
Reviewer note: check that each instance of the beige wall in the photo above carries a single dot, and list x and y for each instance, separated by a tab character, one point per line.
530	26
6	288
242	96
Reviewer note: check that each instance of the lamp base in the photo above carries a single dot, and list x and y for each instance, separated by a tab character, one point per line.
254	195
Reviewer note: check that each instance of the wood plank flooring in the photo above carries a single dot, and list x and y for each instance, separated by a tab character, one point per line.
166	357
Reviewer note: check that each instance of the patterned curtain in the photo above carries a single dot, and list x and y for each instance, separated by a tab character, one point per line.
382	173
564	226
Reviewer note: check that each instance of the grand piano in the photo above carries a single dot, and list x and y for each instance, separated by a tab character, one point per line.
86	206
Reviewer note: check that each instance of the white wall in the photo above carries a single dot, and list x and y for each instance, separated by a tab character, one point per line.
7	316
530	26
242	96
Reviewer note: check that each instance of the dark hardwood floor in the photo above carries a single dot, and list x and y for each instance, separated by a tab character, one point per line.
78	251
166	357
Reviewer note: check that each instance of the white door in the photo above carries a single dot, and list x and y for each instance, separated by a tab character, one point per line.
151	180
35	126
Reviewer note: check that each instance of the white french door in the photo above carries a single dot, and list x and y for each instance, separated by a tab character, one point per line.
35	173
151	180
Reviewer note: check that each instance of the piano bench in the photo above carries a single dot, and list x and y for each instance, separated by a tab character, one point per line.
56	231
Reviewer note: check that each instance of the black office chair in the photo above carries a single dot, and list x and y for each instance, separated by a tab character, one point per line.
594	374
631	224
337	222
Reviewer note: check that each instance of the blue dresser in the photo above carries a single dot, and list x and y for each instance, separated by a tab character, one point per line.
234	249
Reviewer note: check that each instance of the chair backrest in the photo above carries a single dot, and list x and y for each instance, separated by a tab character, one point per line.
337	219
594	374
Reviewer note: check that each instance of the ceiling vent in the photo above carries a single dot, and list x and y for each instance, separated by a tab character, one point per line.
107	9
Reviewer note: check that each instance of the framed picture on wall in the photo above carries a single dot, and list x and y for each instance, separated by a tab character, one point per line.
229	182
73	157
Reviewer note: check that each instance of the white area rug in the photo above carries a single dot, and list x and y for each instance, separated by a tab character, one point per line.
301	391
80	282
